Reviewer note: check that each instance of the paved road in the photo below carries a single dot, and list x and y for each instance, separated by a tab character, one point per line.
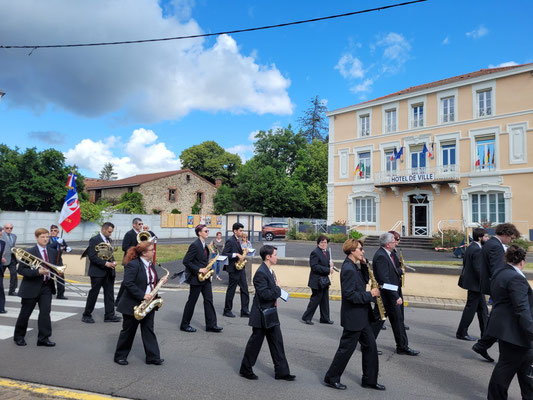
205	365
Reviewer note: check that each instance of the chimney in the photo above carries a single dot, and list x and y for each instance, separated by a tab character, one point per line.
218	182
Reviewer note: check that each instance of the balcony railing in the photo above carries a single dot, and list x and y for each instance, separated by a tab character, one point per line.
441	173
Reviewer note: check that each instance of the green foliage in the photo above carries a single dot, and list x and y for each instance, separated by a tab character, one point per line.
313	123
522	243
211	161
312	236
354	234
33	180
225	200
196	208
452	238
292	233
175	211
107	173
131	203
92	212
156	211
338	237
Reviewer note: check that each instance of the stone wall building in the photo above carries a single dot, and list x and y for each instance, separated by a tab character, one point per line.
161	191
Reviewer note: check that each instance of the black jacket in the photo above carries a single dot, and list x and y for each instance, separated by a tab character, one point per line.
97	268
130	240
196	257
356	309
59	249
511	319
32	281
472	263
266	294
493	259
133	286
319	264
386	272
232	246
2	248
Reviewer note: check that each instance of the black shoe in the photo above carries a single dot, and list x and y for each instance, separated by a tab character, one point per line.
482	352
380	353
466	337
408	352
157	361
245	314
228	314
335	385
251	375
12	294
383	328
62	298
406	327
20	342
327	322
46	343
287	377
188	328
376	386
87	320
216	329
114	318
308	322
121	362
3	311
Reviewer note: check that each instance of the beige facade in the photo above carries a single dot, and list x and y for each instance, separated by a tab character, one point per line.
478	128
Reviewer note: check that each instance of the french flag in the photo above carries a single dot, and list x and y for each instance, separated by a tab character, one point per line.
70	213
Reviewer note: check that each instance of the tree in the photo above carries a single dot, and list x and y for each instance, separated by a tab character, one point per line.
131	203
107	173
313	123
225	200
211	161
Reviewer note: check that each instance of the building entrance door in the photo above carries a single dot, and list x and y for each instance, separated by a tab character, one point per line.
419	215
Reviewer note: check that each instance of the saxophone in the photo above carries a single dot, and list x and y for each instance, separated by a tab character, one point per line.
242	262
140	311
209	267
379	302
402	266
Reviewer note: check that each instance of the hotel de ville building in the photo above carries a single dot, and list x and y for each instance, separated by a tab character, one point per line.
452	153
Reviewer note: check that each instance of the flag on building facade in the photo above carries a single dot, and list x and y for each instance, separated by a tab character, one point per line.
488	156
400	153
424	150
430	153
361	172
357	170
70	215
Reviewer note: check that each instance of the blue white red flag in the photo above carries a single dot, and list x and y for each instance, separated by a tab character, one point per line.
70	213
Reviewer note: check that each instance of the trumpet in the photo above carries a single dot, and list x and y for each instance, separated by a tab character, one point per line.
34	262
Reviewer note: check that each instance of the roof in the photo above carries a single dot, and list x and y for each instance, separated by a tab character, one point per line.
442	82
137	180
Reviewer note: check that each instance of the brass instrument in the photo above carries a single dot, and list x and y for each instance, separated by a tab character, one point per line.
104	251
402	266
242	262
144	236
34	262
142	310
379	301
210	271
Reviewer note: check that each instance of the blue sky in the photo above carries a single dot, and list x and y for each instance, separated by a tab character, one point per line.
140	106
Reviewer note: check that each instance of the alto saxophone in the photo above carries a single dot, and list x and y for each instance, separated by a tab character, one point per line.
402	266
242	262
142	310
209	268
379	302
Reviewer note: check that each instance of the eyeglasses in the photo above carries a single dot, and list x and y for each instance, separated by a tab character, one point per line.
54	230
205	231
8	228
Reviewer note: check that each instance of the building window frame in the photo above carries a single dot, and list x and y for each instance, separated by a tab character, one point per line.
172	195
417	103
367	196
200	196
446	140
479	89
477	135
441	97
367	177
486	188
364	131
390	121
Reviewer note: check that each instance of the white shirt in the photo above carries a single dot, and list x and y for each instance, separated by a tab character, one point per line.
41	250
147	271
104	238
479	244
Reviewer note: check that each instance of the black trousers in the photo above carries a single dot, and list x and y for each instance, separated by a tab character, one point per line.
275	345
127	335
2	294
44	324
107	283
318	297
514	360
60	286
486	341
13	280
346	348
237	278
395	314
475	303
209	308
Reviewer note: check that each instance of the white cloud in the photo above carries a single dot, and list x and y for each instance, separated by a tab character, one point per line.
143	154
244	151
350	66
252	136
504	64
146	82
396	50
478	33
364	87
446	40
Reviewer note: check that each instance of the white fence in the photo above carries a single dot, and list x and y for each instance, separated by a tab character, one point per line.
25	223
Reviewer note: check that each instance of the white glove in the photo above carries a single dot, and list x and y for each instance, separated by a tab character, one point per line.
68	249
59	240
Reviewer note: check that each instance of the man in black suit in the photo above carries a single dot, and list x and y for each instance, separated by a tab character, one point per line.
321	268
234	251
10	262
102	273
130	238
37	287
195	262
493	253
511	322
267	291
387	270
469	280
2	261
60	245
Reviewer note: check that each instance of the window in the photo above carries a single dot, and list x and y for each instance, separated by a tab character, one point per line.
390	121
418	160
448	156
364	121
485	154
448	109
365	210
488	207
364	165
199	197
484	103
418	116
390	162
172	195
97	195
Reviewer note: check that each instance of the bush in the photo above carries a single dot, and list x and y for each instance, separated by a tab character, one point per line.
338	237
522	243
312	236
131	203
452	238
92	212
156	211
292	233
354	234
196	208
175	211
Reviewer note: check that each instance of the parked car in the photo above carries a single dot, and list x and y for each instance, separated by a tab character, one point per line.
275	229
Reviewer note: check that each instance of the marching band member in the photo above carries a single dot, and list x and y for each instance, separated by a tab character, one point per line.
130	238
60	245
234	251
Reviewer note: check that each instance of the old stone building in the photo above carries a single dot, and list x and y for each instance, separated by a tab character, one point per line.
161	191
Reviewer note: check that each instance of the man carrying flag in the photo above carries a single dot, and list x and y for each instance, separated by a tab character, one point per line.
70	213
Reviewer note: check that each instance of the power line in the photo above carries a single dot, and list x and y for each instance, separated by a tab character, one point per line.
34	47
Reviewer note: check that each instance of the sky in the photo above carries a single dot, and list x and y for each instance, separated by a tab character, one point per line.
139	106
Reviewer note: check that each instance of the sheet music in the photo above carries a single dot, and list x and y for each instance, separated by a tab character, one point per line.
284	295
388	286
